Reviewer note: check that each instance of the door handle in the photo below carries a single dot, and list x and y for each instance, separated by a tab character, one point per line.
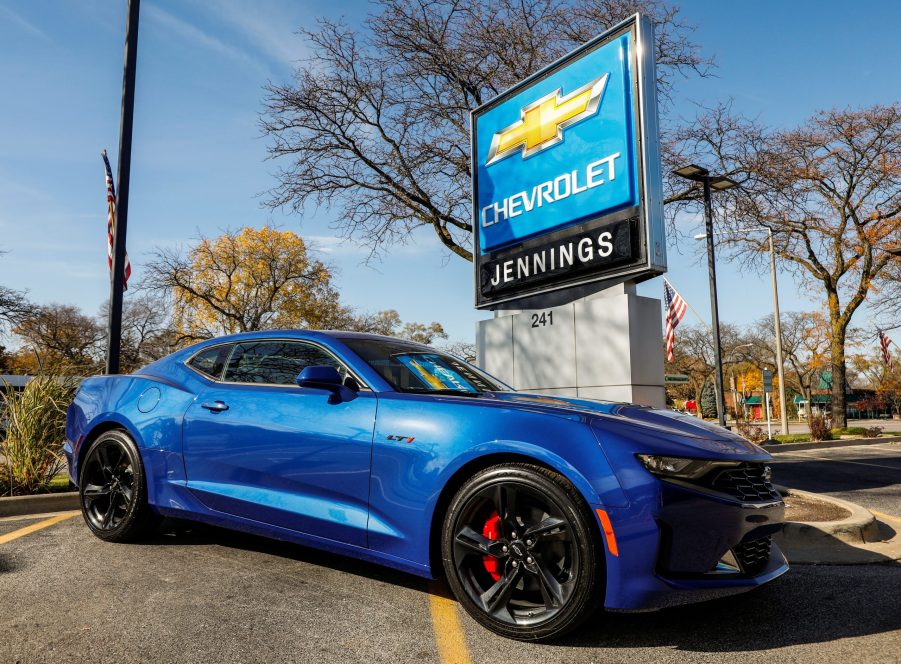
215	406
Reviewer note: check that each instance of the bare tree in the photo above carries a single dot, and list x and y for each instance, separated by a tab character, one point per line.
830	190
693	355
805	347
62	337
377	122
13	305
389	323
465	350
147	332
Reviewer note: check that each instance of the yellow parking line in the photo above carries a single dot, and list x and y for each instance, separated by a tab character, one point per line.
452	647
27	530
886	516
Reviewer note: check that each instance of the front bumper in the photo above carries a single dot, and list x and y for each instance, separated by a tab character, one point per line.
674	540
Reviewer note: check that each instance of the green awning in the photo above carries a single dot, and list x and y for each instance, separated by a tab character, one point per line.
752	401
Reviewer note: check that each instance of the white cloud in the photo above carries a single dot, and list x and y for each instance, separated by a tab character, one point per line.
22	22
192	33
268	28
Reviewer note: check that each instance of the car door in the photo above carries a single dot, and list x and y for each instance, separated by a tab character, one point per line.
259	447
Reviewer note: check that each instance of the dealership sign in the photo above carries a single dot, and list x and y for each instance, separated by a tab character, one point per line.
566	175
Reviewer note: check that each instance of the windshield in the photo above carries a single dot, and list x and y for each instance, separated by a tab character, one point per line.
410	368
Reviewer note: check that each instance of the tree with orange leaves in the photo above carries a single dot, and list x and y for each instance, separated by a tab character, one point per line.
243	280
830	191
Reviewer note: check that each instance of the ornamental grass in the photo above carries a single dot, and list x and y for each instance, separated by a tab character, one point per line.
32	431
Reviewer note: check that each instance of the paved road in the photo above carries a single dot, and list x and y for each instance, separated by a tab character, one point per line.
869	475
213	596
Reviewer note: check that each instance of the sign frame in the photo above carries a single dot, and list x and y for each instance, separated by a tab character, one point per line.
650	233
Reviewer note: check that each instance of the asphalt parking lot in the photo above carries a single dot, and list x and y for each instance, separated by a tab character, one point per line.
209	595
869	475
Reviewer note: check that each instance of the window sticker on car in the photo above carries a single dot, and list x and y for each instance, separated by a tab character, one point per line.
436	373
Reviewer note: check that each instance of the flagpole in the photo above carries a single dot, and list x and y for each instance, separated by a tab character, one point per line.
117	278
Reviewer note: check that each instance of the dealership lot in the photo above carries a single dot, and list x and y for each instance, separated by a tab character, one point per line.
869	475
205	595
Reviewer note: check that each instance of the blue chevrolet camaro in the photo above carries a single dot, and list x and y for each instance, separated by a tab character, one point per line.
537	509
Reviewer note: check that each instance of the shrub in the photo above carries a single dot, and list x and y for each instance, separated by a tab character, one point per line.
820	427
750	431
35	430
872	432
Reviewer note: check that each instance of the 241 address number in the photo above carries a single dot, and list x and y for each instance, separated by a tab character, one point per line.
543	319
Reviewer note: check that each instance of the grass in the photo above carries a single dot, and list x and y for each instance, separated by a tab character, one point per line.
792	438
849	431
805	437
59	483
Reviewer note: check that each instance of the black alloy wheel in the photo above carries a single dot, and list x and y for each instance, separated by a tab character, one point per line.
113	489
520	554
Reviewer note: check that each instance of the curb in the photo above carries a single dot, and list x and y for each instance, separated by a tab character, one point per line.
40	504
859	528
857	540
826	444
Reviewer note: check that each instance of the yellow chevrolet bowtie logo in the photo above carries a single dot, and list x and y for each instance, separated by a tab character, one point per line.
543	121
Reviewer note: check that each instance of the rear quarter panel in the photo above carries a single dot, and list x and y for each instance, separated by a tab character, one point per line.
150	408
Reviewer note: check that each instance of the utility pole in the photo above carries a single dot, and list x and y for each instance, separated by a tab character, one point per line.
117	283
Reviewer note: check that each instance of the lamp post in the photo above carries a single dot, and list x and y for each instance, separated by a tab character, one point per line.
777	324
719	183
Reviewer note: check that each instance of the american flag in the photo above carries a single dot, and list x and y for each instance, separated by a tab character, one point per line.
885	342
675	310
111	221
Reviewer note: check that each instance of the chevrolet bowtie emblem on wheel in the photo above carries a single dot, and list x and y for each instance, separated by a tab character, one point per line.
544	120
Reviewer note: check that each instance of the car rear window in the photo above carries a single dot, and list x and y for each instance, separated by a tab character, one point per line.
211	362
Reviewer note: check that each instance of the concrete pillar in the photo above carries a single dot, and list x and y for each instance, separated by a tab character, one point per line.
606	346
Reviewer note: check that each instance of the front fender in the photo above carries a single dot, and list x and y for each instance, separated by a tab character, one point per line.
420	447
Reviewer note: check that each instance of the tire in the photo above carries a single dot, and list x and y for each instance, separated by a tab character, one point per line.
113	489
529	588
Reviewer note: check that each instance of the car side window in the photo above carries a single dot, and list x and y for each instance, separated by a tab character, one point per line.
276	362
211	362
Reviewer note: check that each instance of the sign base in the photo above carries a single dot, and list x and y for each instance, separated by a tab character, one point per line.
606	346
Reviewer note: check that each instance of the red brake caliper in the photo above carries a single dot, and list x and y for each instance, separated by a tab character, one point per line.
492	531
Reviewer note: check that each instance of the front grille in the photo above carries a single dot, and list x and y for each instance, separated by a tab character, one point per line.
753	556
747	483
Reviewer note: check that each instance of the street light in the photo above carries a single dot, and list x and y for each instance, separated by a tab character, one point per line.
700	174
783	407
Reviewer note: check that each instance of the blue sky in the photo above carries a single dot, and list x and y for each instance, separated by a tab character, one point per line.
199	160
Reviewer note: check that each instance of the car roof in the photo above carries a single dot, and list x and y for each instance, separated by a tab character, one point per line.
304	334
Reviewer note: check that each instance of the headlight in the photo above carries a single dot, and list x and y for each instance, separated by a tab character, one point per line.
688	469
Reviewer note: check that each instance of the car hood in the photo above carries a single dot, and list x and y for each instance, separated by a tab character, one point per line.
677	429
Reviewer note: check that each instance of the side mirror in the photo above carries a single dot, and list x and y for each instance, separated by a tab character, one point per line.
326	378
